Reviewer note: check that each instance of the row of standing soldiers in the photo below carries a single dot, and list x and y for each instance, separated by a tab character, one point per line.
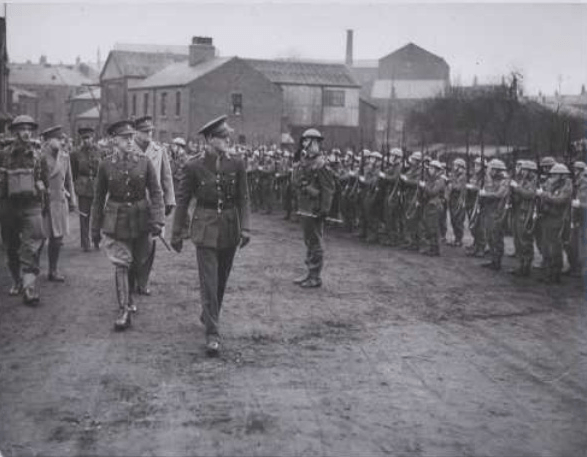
408	202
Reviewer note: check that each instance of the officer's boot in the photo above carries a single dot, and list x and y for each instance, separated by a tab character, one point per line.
520	270
14	267
123	297
53	252
526	267
30	289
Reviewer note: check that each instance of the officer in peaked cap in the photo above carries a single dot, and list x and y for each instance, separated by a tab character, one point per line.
52	132
220	222
139	276
84	168
131	215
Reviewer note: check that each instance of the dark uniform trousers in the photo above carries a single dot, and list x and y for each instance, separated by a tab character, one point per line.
313	230
456	205
219	185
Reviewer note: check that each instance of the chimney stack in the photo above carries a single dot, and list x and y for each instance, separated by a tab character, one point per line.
349	48
201	50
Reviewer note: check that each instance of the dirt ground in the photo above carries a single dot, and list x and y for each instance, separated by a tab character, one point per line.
397	354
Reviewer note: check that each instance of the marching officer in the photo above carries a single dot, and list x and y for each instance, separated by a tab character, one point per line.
61	196
315	186
220	222
158	156
23	186
84	168
132	213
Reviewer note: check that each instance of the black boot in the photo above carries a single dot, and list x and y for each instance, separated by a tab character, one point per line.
53	252
14	267
30	294
123	297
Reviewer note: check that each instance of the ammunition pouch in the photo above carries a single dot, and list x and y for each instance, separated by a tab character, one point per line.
20	182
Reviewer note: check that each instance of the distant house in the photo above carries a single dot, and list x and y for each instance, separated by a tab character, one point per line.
325	96
23	102
53	86
89	118
396	83
83	104
184	95
125	69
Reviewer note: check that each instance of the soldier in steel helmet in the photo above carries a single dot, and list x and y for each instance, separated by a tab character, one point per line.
392	203
24	180
546	163
475	210
457	200
555	200
412	209
314	184
127	210
220	223
84	168
573	245
523	196
495	195
431	191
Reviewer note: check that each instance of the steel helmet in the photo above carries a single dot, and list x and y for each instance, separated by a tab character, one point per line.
460	162
377	155
559	169
497	164
416	156
436	164
579	165
529	165
312	133
179	141
547	161
23	119
397	152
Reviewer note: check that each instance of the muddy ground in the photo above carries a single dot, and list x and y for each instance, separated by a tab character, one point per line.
397	354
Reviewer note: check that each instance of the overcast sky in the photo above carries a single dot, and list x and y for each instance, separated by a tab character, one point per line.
546	42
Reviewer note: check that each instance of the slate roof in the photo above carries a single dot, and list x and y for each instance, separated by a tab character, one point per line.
153	48
143	64
181	73
94	94
414	51
29	74
304	73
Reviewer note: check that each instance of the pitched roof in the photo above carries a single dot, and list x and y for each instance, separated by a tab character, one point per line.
143	64
18	92
93	94
412	50
153	48
30	74
181	73
92	113
304	73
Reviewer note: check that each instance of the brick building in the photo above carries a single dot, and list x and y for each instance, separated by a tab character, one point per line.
125	68
325	96
53	86
396	83
84	110
185	95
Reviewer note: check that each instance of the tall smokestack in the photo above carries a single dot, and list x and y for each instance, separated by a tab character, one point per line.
349	48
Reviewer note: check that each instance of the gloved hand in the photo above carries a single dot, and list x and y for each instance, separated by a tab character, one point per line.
168	209
96	238
177	245
244	240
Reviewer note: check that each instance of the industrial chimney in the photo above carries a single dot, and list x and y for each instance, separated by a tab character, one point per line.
349	48
201	49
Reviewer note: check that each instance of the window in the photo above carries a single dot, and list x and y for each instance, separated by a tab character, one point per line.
145	104
237	104
333	97
134	104
178	103
163	103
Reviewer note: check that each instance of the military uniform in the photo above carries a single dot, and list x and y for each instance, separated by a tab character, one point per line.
127	208
84	168
456	204
555	204
61	196
496	196
314	184
476	214
393	214
218	182
160	160
23	183
413	208
523	198
432	209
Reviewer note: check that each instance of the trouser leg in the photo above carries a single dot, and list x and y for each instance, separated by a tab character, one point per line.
11	239
313	234
123	297
432	214
53	251
225	260
32	240
143	270
85	206
208	274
